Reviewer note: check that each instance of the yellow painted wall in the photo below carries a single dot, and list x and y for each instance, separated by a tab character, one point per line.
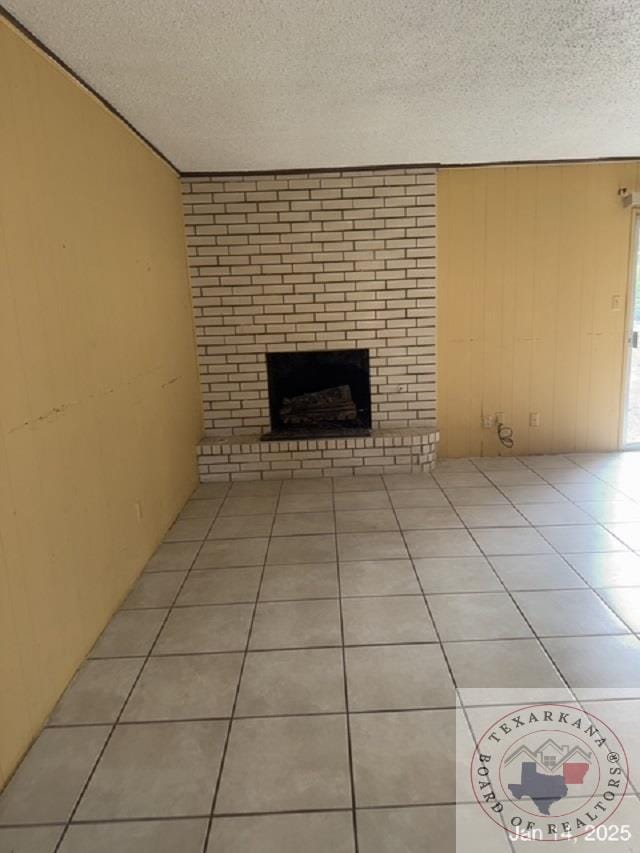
99	401
529	259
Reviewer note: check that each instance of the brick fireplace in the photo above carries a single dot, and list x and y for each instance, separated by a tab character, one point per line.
313	263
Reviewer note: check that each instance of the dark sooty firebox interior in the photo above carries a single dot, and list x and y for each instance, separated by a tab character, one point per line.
319	394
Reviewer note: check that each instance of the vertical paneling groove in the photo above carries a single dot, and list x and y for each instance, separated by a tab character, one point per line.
99	403
529	260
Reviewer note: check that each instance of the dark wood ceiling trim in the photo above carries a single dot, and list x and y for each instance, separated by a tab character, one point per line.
377	168
298	171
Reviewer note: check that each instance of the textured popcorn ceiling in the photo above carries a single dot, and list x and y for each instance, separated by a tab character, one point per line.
265	84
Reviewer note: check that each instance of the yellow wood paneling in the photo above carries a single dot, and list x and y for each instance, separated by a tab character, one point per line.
529	260
99	401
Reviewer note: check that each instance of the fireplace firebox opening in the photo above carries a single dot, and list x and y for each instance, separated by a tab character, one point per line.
319	394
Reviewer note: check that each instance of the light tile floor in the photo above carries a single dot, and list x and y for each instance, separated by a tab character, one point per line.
283	676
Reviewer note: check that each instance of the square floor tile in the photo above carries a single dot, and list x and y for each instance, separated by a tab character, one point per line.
218	628
611	511
388	830
518	477
473	464
410	481
365	520
456	574
468	480
49	780
154	589
551	513
185	687
504	669
386	619
364	483
569	475
625	603
286	763
461	465
491	516
538	571
370	546
304	681
533	494
418	498
282	833
97	692
378	577
188	529
402	758
290	524
596	663
149	836
427	518
241	526
173	557
440	543
568	613
627	532
155	770
30	839
296	624
314	548
255	488
511	540
361	500
299	580
617	568
497	463
201	509
478	496
547	461
249	505
130	633
590	492
388	678
581	538
221	586
227	553
207	491
306	503
481	616
307	486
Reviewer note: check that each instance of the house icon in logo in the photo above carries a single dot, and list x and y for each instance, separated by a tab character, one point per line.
550	756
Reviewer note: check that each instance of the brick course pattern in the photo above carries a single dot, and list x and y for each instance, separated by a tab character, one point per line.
335	260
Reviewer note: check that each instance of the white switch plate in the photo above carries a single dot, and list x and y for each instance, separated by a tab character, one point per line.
534	419
616	302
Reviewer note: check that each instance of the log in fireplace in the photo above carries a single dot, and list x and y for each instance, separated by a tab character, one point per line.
316	394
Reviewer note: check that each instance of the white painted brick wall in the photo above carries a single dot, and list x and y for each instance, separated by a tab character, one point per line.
336	260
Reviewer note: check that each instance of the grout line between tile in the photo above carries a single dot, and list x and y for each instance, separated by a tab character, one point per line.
223	757
124	704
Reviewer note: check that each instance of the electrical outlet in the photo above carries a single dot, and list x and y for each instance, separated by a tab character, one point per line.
488	421
500	417
534	419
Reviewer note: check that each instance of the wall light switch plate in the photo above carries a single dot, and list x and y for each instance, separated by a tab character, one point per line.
488	421
616	302
534	419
